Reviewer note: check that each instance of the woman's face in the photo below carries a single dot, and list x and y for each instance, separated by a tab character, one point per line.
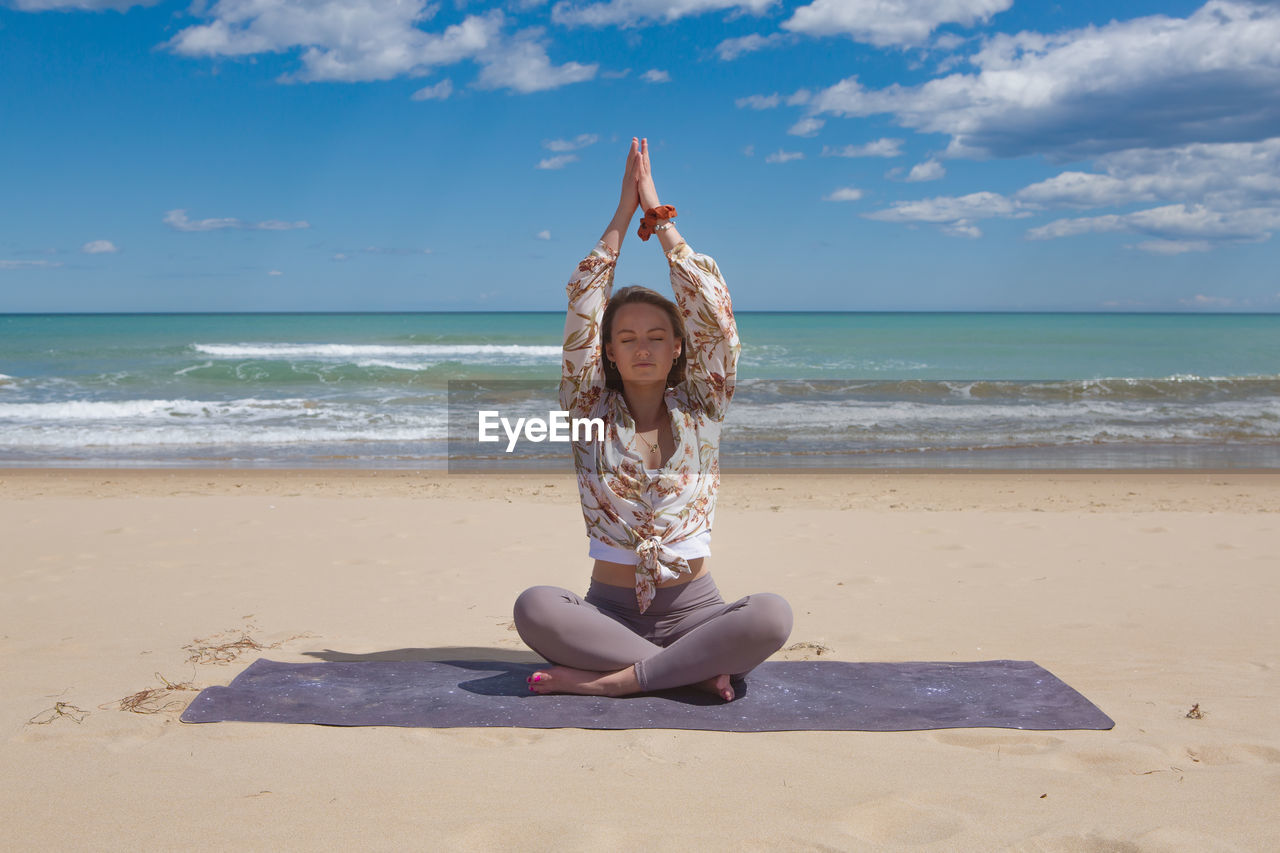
642	344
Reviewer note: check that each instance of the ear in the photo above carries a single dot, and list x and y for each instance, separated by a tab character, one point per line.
608	351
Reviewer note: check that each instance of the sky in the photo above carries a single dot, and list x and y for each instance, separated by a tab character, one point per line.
853	155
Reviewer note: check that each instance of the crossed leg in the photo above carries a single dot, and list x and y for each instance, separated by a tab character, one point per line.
596	654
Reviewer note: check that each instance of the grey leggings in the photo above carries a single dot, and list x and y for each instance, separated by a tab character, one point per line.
688	634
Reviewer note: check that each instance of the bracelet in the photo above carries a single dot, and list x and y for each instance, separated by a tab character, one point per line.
664	226
652	216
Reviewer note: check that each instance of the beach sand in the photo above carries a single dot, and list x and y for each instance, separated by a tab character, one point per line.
1149	592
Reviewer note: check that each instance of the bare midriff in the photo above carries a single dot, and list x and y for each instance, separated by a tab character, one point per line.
621	574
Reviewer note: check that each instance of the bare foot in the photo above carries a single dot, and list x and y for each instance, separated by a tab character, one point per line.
719	685
585	682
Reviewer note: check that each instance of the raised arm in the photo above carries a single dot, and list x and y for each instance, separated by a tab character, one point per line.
582	373
713	345
703	297
668	237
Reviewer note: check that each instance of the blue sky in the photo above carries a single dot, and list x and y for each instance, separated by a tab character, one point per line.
331	155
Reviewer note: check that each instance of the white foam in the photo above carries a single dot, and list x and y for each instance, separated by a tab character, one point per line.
221	435
438	352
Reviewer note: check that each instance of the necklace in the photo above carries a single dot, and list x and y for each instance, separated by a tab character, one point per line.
653	448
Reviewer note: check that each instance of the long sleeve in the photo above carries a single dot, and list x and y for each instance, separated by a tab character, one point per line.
713	345
582	371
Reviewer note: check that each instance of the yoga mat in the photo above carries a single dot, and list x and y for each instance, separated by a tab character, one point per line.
775	696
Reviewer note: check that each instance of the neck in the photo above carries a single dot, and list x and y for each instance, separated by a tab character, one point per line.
646	403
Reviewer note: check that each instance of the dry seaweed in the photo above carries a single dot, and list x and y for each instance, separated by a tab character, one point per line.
59	711
211	651
154	700
1195	713
818	649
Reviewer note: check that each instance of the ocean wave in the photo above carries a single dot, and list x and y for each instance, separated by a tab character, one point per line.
220	435
1187	388
436	352
249	420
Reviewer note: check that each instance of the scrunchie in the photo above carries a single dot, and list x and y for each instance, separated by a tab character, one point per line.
652	217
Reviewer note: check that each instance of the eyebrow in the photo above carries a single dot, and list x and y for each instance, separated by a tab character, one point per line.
651	328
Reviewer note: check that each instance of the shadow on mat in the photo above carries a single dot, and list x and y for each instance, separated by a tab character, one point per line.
506	671
479	655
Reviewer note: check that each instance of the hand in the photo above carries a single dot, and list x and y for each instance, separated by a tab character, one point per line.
644	179
630	195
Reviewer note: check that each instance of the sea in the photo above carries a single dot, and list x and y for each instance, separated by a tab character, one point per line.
815	390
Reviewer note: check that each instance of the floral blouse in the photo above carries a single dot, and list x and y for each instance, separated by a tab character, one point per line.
618	496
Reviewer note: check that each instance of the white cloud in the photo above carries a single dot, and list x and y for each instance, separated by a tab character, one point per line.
1223	175
1207	195
806	127
929	170
759	102
438	92
1221	193
630	13
360	40
341	40
522	65
557	162
340	256
543	235
948	42
844	194
731	49
889	22
950	208
274	272
1173	247
1149	82
177	219
876	148
962	228
1172	222
781	156
81	5
653	75
955	214
749	151
99	247
582	140
28	265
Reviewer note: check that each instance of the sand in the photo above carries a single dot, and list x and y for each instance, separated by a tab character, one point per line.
1150	592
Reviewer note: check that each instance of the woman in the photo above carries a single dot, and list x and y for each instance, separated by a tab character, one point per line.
652	618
